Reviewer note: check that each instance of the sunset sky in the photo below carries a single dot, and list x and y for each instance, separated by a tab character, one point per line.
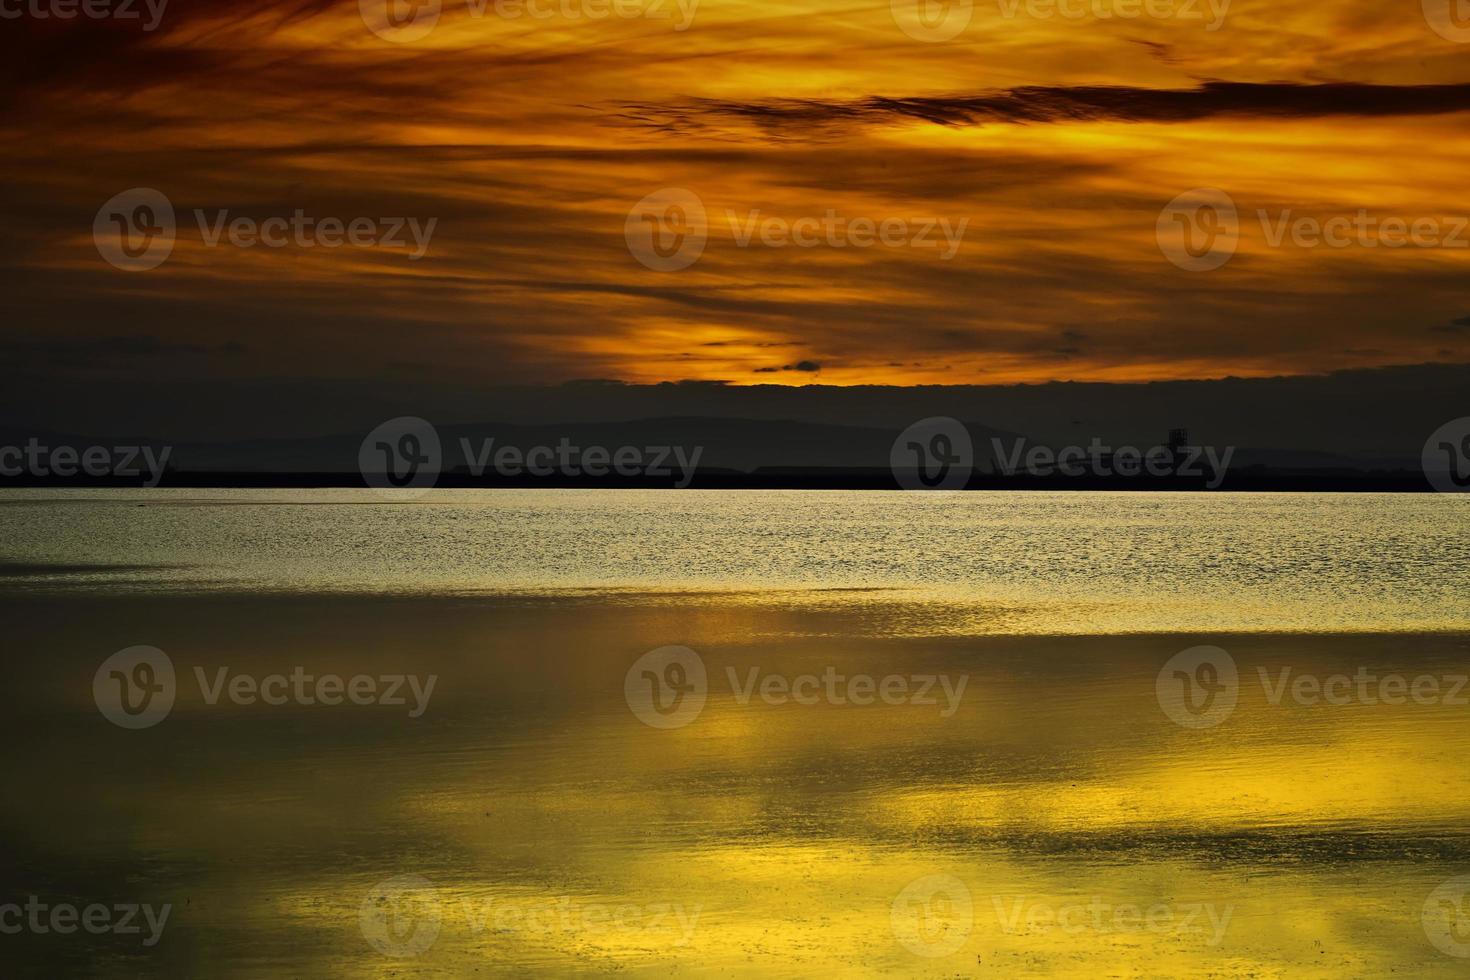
1057	140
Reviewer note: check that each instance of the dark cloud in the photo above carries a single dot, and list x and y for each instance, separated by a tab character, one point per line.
1045	104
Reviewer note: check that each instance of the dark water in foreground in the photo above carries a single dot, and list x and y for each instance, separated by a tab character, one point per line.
856	786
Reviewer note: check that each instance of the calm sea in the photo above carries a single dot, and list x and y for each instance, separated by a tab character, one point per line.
981	563
1080	734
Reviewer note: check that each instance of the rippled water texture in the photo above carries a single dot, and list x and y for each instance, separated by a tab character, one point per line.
1042	813
959	564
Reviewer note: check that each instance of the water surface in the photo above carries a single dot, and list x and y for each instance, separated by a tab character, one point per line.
555	833
1003	563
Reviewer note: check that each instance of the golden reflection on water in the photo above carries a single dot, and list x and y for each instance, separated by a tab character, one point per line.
557	834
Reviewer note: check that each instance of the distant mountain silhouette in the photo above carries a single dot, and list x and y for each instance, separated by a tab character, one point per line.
731	452
1363	416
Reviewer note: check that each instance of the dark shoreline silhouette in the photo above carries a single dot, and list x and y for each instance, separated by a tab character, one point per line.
1247	480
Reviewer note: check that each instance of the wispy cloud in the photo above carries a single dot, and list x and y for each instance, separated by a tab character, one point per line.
1054	105
531	139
